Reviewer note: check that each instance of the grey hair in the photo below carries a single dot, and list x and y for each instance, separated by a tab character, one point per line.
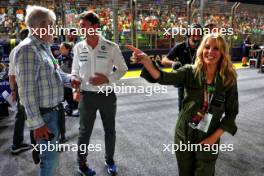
37	15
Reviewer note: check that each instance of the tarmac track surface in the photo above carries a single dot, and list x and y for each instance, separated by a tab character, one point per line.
143	125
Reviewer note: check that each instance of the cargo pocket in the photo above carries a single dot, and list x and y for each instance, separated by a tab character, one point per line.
181	127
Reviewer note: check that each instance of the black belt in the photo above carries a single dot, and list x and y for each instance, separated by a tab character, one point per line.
48	110
96	92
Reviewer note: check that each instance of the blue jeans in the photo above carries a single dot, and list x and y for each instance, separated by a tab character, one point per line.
49	160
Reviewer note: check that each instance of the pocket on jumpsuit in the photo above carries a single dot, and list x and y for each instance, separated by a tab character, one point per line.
208	155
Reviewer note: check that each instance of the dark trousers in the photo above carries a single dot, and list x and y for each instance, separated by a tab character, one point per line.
90	102
61	121
69	98
180	97
18	136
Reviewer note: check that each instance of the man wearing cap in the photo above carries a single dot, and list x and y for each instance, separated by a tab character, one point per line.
184	53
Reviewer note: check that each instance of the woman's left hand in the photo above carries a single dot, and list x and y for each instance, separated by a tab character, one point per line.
212	139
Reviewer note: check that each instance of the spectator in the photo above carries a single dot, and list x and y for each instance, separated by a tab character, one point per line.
40	85
18	136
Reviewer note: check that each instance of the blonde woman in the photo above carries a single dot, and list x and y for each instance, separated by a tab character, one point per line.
210	92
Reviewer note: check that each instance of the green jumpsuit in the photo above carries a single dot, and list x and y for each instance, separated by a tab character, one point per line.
223	107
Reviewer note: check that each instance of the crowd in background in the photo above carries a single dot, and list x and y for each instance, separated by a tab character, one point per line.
153	17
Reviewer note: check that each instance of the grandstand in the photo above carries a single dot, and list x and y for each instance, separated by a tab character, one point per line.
151	17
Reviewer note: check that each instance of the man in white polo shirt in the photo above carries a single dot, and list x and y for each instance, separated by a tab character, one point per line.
18	136
93	62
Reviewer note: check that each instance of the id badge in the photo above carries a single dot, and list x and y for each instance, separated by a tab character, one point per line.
205	123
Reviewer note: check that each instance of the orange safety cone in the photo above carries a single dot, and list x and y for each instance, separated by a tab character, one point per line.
244	61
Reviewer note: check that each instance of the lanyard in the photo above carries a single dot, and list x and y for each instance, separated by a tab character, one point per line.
192	57
205	102
53	60
55	63
208	90
200	114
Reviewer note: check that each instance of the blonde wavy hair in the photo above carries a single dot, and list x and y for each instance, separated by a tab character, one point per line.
225	67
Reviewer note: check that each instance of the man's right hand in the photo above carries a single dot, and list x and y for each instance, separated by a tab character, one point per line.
75	82
42	133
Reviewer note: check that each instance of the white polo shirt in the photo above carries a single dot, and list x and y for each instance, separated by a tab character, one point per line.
88	61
